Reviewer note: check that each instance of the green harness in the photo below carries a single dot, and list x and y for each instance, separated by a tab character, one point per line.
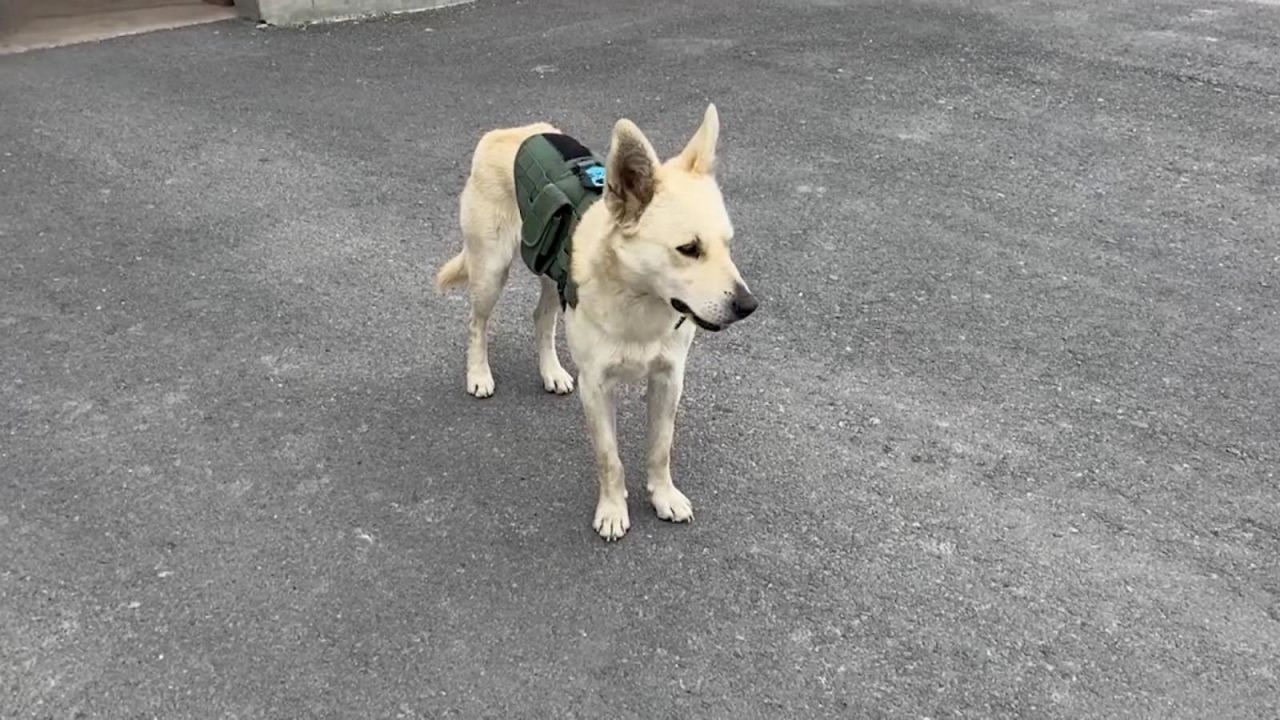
557	179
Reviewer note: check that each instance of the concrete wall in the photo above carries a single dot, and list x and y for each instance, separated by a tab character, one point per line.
295	12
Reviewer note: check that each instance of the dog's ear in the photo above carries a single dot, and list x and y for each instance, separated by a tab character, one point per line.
699	156
631	172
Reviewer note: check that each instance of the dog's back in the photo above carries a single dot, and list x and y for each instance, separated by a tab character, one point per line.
488	204
494	159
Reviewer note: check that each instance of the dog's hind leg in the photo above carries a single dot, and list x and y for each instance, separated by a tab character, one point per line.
485	288
490	247
554	377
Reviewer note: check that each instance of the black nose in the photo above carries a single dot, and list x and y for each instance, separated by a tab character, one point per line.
744	303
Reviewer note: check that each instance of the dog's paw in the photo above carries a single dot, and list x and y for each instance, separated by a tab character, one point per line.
671	504
557	381
480	383
612	520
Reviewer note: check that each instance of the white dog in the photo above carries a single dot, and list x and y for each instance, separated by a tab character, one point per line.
654	253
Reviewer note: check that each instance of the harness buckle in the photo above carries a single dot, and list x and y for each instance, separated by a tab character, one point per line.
590	173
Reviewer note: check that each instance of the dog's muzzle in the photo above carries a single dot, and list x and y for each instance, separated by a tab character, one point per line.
741	304
683	308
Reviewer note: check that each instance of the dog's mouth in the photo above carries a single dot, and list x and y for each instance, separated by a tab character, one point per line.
685	310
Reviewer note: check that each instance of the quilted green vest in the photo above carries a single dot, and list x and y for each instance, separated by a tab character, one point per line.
557	179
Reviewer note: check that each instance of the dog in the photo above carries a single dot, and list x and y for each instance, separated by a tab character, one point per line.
653	253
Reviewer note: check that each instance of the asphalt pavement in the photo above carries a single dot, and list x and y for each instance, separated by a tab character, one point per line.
1001	441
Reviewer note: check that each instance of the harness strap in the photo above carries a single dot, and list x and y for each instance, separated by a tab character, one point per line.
550	215
547	240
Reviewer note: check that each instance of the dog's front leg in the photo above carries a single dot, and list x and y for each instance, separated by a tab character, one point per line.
611	520
666	383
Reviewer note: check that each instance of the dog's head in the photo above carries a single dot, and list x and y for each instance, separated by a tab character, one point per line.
674	230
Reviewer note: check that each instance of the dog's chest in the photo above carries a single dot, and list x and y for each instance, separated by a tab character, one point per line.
633	362
642	346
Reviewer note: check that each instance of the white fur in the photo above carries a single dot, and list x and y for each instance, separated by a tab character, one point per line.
628	271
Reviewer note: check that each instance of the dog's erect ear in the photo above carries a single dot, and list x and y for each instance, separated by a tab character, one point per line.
699	156
631	172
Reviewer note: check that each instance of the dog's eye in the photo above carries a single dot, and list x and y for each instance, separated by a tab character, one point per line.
693	249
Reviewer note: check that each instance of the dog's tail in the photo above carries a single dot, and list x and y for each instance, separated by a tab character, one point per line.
453	274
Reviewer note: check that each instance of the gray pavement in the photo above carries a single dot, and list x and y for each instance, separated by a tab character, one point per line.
1001	442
